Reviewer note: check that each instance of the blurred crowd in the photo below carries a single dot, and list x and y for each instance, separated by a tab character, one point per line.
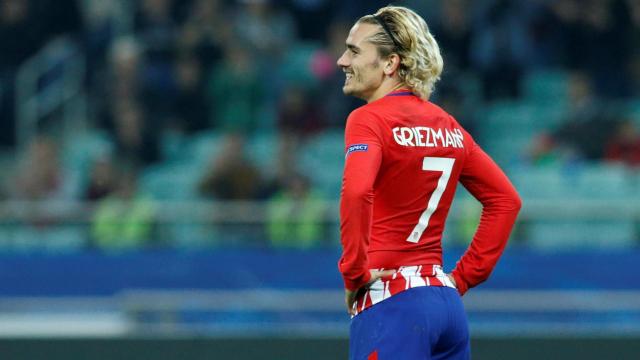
167	69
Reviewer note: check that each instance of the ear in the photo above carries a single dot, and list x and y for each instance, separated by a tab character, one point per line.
392	64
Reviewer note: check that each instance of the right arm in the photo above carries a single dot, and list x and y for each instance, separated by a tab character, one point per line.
356	199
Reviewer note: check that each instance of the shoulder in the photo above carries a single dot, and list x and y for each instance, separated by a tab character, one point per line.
363	123
363	114
364	117
437	110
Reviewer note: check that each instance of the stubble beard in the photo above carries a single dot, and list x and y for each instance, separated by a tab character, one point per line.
349	89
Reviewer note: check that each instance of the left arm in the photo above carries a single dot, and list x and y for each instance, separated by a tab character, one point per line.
501	204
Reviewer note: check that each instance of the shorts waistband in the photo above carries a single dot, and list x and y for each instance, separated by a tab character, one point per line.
406	277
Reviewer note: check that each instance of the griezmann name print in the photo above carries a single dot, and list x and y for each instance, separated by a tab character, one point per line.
428	137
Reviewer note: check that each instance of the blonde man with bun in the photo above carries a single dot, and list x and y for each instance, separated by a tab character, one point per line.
404	157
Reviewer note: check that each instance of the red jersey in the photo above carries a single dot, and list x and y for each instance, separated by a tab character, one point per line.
404	159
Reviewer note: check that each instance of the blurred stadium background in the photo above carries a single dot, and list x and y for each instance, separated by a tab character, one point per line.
171	170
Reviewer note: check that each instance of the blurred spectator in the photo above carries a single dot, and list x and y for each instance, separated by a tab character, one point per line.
20	37
286	162
156	28
235	92
20	32
39	175
558	34
543	150
583	101
155	25
135	138
41	182
565	17
297	113
500	46
265	29
589	121
102	179
634	60
122	82
454	33
101	26
607	29
124	219
580	32
207	28
624	145
122	113
295	216
311	17
26	25
232	176
189	105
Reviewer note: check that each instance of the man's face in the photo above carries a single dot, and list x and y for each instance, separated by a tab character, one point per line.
361	63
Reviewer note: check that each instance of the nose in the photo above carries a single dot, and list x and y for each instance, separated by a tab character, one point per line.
343	61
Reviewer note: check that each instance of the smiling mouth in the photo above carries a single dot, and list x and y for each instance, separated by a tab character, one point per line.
348	76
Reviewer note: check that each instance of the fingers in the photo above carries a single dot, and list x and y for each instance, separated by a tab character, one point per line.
350	299
384	273
453	280
350	307
376	274
350	296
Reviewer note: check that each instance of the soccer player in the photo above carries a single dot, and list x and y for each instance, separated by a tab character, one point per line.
404	158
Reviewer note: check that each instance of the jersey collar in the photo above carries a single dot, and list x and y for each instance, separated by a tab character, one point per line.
401	92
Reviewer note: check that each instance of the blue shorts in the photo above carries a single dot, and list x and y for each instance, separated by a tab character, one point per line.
426	322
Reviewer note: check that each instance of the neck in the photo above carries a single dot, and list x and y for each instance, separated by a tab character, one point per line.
389	84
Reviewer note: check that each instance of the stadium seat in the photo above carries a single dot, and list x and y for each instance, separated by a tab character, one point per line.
77	155
551	182
605	181
262	149
323	157
574	234
546	86
52	239
201	148
170	182
297	63
633	111
79	151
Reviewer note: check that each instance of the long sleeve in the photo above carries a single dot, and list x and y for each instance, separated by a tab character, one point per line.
363	159
501	204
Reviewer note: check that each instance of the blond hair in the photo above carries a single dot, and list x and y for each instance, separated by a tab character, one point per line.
405	33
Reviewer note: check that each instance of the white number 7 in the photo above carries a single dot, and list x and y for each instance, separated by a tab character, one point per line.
432	164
